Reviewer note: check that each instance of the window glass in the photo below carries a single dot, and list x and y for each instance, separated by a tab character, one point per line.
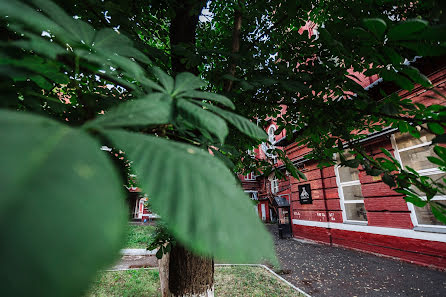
406	140
274	186
417	158
271	136
425	216
347	174
352	192
349	190
355	211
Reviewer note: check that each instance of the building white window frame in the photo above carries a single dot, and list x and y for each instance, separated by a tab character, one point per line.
274	185
254	195
250	176
422	172
271	136
343	201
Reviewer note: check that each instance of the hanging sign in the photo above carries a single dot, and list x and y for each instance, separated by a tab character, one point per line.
305	194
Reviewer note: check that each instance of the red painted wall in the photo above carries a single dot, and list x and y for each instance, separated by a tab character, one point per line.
384	207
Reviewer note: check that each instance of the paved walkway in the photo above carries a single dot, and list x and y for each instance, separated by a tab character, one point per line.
134	261
321	270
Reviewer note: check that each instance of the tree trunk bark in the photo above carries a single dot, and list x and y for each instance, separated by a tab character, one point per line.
235	47
163	265
190	275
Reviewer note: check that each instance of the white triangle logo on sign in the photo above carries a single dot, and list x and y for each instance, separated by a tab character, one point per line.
304	194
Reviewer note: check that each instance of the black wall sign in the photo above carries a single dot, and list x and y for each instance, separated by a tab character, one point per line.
305	194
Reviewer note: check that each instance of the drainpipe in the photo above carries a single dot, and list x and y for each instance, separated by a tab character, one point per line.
326	208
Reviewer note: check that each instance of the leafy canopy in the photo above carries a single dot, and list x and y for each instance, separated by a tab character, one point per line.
150	79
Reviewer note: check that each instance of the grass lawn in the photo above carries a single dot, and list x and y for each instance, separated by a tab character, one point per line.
138	236
230	281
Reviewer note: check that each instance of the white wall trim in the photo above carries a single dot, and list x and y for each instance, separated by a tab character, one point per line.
150	215
405	233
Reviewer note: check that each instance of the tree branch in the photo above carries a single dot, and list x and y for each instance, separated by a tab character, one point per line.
235	47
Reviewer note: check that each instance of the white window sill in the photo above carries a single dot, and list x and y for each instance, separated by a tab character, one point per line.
429	229
361	223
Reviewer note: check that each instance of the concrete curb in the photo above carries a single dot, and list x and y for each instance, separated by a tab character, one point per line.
137	252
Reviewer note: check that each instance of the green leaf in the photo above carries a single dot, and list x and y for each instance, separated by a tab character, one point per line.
203	119
394	57
389	180
165	79
241	123
417	201
425	49
404	30
76	30
440	151
375	25
223	158
436	128
194	193
403	126
439	211
41	82
414	132
387	164
416	76
439	139
159	253
186	81
387	153
436	161
108	41
154	109
18	11
56	184
209	96
39	45
351	163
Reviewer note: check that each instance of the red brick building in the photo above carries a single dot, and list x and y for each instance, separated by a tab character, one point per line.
354	210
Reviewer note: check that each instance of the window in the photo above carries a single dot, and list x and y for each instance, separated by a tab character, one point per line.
274	159
250	176
274	185
253	195
413	152
349	188
271	136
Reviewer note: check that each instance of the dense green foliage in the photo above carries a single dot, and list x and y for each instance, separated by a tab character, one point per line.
160	87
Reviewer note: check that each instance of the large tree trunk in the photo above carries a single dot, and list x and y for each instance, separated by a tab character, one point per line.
190	275
163	265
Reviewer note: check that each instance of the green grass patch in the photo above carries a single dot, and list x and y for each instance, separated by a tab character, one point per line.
138	236
136	282
229	281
